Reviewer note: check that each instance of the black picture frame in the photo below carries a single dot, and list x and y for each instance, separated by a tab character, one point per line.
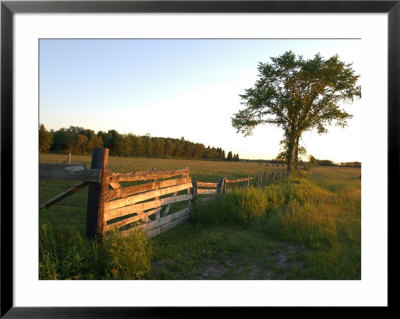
9	8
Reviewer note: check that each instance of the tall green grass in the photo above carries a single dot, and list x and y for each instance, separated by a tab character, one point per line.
321	214
116	257
319	211
294	209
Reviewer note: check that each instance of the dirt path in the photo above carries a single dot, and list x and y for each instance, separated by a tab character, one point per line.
274	262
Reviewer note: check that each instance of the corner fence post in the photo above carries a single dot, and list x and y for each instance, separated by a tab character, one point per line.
95	203
194	196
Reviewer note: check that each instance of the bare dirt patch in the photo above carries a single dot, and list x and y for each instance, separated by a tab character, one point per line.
274	263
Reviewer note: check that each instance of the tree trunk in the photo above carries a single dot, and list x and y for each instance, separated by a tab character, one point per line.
290	154
296	153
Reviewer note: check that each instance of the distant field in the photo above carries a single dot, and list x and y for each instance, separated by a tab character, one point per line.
208	171
304	227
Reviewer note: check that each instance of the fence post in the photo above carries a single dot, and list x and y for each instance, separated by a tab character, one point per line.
188	190
95	203
69	158
194	196
221	185
248	181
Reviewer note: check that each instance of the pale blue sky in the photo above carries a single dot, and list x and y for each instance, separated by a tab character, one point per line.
179	87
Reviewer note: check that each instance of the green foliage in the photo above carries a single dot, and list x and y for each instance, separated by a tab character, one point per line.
325	163
65	254
127	257
239	207
298	95
79	140
294	210
313	161
45	139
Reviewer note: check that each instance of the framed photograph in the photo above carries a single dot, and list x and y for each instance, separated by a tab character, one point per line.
150	106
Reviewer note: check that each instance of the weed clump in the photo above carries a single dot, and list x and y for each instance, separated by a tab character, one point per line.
74	257
294	210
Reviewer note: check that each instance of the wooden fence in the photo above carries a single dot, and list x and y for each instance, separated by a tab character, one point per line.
143	200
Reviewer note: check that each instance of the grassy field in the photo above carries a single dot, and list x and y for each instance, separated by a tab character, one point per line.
303	227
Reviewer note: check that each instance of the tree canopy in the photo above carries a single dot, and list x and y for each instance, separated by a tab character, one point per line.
298	95
45	139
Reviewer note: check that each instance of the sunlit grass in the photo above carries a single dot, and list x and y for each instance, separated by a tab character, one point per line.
322	217
303	227
206	171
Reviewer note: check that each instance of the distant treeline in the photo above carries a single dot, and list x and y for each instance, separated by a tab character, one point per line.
79	140
350	164
312	160
330	163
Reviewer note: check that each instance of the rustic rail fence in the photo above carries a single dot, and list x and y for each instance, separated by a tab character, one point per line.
141	199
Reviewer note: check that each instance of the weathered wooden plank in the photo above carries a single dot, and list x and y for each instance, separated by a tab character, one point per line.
157	224
158	213
63	195
72	167
204	184
115	213
115	185
164	228
169	206
131	190
74	172
132	219
207	191
168	219
237	180
144	175
145	196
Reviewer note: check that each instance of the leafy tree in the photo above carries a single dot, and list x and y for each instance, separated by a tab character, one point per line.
313	161
79	145
325	163
178	148
229	157
138	146
159	147
45	139
168	148
298	95
63	140
198	150
94	141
